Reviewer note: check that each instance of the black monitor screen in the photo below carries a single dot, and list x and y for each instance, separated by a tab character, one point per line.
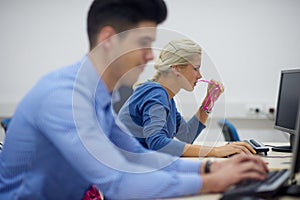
287	102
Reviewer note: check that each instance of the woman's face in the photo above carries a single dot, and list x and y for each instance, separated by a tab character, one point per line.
190	74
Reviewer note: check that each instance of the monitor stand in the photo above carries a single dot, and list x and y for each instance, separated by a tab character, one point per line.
290	190
287	149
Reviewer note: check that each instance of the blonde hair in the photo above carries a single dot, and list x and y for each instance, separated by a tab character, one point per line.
176	52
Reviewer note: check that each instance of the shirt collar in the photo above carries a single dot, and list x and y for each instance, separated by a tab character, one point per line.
96	86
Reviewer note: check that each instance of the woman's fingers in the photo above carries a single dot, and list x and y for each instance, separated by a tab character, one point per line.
217	84
245	145
229	150
240	148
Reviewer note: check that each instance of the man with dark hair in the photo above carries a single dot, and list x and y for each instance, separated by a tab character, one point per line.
122	15
63	140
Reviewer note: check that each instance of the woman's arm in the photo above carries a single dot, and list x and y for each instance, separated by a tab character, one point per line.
220	151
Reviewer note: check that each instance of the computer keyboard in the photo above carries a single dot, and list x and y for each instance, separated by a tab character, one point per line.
258	146
266	188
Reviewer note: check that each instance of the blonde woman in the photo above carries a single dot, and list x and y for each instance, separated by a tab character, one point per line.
151	113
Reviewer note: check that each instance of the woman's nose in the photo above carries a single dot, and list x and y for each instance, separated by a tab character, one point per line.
199	75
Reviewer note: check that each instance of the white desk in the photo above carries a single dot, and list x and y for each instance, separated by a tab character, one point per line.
275	160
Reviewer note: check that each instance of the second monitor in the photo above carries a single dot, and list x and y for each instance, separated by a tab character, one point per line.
287	105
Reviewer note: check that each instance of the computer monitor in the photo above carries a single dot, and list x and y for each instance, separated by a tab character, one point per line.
287	105
295	168
293	189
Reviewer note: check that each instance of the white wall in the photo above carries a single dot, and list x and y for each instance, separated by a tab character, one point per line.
247	41
37	36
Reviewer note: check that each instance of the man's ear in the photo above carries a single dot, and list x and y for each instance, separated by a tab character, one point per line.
105	35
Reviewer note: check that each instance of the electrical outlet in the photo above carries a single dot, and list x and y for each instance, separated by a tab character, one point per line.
254	109
270	112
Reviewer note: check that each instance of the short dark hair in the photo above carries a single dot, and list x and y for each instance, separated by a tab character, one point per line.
122	15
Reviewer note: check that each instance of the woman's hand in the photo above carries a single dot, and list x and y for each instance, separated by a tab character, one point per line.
215	86
231	149
214	90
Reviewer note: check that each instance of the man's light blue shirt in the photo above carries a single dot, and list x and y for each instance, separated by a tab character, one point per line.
63	138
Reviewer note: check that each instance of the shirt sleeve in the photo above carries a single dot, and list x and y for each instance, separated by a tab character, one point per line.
188	131
75	133
155	129
133	151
